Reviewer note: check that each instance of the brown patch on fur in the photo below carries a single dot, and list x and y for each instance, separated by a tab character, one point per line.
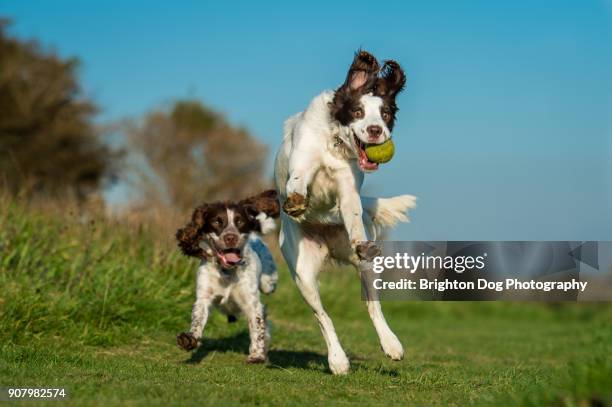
391	82
261	327
295	205
260	354
362	71
367	251
191	234
215	219
266	202
361	79
186	341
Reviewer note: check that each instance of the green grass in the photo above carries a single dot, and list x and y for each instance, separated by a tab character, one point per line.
94	307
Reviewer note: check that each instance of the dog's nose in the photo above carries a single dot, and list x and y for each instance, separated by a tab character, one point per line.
230	239
374	132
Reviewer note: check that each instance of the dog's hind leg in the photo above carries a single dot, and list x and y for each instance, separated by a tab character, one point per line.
247	298
305	258
388	340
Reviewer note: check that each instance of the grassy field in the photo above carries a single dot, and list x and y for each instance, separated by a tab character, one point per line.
94	307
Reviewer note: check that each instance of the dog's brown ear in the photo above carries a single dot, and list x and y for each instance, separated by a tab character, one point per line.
262	209
392	80
266	202
199	215
191	234
362	73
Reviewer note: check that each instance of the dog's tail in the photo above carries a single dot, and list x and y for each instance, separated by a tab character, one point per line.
387	212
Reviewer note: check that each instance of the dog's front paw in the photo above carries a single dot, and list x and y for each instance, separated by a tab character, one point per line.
257	358
367	251
186	341
295	205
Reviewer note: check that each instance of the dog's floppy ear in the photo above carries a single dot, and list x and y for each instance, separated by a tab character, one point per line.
191	234
392	80
362	73
361	79
266	202
263	208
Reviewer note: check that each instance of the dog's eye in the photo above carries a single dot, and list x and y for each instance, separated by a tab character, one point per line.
217	222
239	222
357	113
385	113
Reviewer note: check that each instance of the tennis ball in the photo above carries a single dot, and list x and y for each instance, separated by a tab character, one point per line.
380	153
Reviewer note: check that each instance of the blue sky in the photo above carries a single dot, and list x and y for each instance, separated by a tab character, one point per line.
505	127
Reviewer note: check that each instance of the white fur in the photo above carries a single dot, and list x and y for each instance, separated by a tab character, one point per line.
387	212
318	159
237	291
267	223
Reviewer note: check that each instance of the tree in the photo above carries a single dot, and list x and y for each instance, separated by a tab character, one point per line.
48	143
195	155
